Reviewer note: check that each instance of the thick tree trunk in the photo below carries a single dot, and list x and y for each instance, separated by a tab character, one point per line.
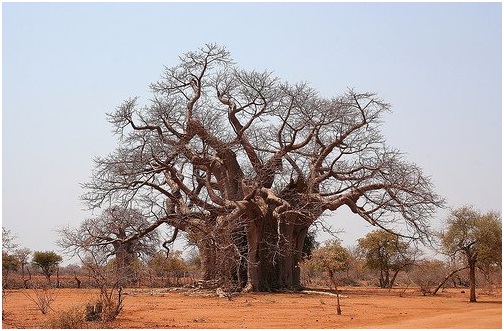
274	253
223	258
208	260
125	257
254	231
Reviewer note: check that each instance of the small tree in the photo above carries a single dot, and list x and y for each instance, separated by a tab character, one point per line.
194	260
23	255
48	262
109	282
386	252
10	263
331	258
475	238
427	273
163	264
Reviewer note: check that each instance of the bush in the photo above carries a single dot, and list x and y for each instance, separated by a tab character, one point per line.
427	274
70	319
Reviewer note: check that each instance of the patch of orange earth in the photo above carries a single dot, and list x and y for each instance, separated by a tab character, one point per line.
362	308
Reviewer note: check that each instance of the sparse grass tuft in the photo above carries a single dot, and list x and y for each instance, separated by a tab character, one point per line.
73	318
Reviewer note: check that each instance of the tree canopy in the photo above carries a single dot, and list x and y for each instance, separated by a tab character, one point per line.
331	258
474	237
386	252
246	163
48	262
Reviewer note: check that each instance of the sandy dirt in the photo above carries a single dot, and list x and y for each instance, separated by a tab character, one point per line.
362	308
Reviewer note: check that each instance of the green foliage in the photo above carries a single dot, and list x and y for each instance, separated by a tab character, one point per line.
9	262
194	260
47	261
386	252
474	236
157	264
310	243
161	263
175	262
476	239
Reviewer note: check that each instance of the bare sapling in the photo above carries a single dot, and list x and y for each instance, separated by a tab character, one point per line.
335	284
41	297
110	302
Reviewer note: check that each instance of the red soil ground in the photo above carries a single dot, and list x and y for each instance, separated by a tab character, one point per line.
362	308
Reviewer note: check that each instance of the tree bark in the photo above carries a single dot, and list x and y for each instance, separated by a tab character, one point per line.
254	229
57	278
223	258
125	257
208	260
446	278
335	283
392	281
472	281
274	253
384	278
77	280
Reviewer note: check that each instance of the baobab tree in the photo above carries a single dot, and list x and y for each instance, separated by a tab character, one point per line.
245	163
104	237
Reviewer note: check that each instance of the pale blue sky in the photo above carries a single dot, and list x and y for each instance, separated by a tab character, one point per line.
66	64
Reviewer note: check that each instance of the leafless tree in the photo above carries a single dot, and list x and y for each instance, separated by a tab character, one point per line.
247	163
426	274
106	236
8	240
